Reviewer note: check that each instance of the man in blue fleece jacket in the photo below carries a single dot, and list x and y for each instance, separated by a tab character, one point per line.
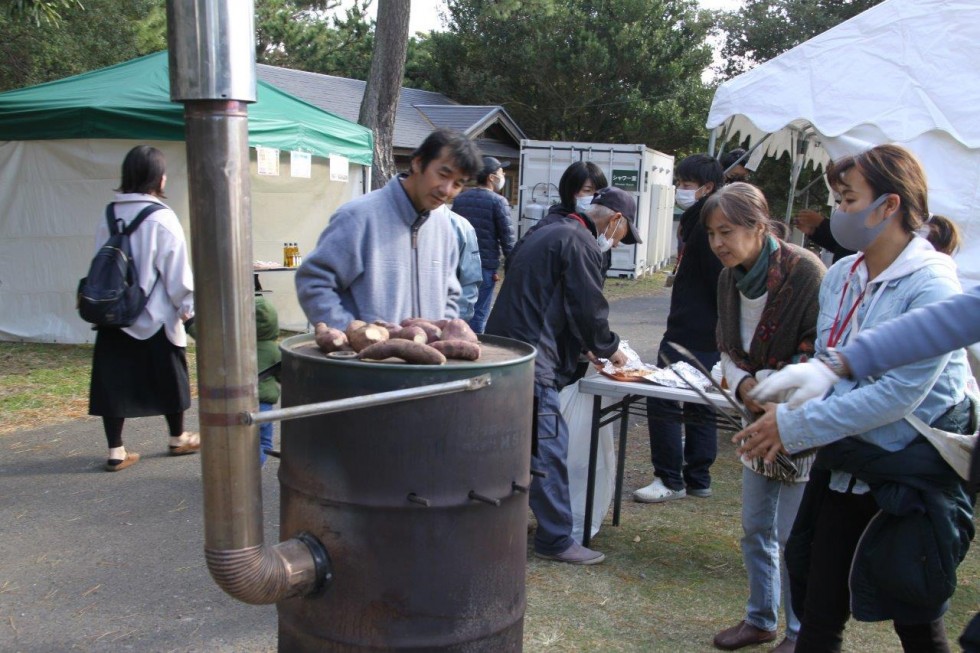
382	255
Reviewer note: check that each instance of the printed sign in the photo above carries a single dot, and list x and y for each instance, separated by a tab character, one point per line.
267	159
339	168
300	164
626	179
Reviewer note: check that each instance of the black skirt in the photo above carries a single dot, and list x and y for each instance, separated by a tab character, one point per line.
137	378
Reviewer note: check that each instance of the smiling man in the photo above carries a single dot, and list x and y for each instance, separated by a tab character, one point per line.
383	256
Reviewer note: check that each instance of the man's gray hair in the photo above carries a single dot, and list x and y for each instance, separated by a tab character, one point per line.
598	211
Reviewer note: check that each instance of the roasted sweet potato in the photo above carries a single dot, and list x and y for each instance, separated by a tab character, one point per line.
329	339
407	350
458	349
457	329
391	326
414	333
432	332
366	336
354	326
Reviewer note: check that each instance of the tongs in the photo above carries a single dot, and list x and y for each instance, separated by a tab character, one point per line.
782	460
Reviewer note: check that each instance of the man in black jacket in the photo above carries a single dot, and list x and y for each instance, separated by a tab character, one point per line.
682	461
552	298
489	214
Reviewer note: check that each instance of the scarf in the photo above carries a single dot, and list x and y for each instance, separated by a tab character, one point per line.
752	284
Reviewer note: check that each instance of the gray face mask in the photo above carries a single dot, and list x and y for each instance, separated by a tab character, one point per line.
848	228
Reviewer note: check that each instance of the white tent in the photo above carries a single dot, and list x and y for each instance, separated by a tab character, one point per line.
904	72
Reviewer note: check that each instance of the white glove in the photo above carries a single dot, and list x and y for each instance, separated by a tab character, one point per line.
796	384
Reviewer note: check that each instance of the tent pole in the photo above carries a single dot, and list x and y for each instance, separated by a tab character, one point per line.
712	136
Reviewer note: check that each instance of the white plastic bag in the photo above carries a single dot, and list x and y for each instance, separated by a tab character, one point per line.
576	409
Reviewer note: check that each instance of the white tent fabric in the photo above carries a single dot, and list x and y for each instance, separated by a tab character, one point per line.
905	72
53	193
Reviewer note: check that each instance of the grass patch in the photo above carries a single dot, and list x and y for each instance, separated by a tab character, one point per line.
43	384
648	284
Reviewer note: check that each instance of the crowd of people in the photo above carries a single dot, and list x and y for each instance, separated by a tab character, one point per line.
870	522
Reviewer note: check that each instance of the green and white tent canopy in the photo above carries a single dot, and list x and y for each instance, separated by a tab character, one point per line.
61	146
131	100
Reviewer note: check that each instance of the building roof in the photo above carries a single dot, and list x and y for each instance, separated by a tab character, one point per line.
419	112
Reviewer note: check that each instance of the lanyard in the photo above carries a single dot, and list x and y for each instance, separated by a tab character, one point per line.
579	218
838	327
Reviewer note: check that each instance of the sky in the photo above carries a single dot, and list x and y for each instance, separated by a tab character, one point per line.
424	15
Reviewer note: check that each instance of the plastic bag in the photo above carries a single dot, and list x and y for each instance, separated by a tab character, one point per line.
576	409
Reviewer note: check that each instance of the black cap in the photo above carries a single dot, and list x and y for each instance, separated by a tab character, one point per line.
492	165
621	202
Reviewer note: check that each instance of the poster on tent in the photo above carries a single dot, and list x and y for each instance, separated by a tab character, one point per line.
268	161
300	165
339	168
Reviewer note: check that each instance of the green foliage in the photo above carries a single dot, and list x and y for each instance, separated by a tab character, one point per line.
577	70
38	11
304	36
763	29
104	33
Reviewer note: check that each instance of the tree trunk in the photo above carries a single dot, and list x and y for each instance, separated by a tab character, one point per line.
384	84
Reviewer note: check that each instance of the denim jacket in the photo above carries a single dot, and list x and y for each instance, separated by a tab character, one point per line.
873	409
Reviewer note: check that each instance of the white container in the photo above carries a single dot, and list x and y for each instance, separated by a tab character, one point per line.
638	169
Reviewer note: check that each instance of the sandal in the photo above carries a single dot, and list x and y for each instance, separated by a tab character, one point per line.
117	465
190	443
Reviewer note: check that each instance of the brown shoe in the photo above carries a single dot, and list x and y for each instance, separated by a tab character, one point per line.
189	443
786	646
117	465
744	634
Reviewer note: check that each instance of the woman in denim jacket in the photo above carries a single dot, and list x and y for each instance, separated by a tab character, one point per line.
884	204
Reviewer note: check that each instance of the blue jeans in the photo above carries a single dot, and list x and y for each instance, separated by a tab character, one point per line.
768	510
681	460
549	497
481	311
265	434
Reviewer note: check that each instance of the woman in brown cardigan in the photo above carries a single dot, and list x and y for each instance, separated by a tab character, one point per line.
767	314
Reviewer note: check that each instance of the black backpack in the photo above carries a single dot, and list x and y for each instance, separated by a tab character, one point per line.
111	296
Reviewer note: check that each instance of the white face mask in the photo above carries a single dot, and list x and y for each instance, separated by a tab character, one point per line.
582	204
500	183
685	197
604	243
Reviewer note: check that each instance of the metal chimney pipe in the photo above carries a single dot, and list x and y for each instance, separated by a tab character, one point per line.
212	71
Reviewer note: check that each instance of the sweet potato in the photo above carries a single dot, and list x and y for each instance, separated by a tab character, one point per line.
366	336
457	329
407	350
329	339
458	349
440	323
432	332
391	326
414	333
354	326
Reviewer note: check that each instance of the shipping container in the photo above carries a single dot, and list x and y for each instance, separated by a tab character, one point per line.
638	169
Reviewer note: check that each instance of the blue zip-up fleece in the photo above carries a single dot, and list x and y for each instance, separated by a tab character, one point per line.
489	214
380	259
925	332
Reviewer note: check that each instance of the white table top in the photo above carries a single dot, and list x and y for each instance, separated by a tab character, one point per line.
606	387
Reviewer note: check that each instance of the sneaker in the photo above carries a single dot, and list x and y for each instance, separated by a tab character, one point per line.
576	554
699	492
657	492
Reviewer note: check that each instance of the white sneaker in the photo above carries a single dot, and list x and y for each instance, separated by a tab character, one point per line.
657	492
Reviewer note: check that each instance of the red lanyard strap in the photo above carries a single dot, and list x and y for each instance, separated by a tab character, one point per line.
838	327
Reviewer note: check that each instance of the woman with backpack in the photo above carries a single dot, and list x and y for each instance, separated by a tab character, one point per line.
140	369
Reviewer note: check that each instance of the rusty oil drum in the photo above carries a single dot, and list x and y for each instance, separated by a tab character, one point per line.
447	576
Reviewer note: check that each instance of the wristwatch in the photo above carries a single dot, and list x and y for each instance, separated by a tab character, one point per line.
832	359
